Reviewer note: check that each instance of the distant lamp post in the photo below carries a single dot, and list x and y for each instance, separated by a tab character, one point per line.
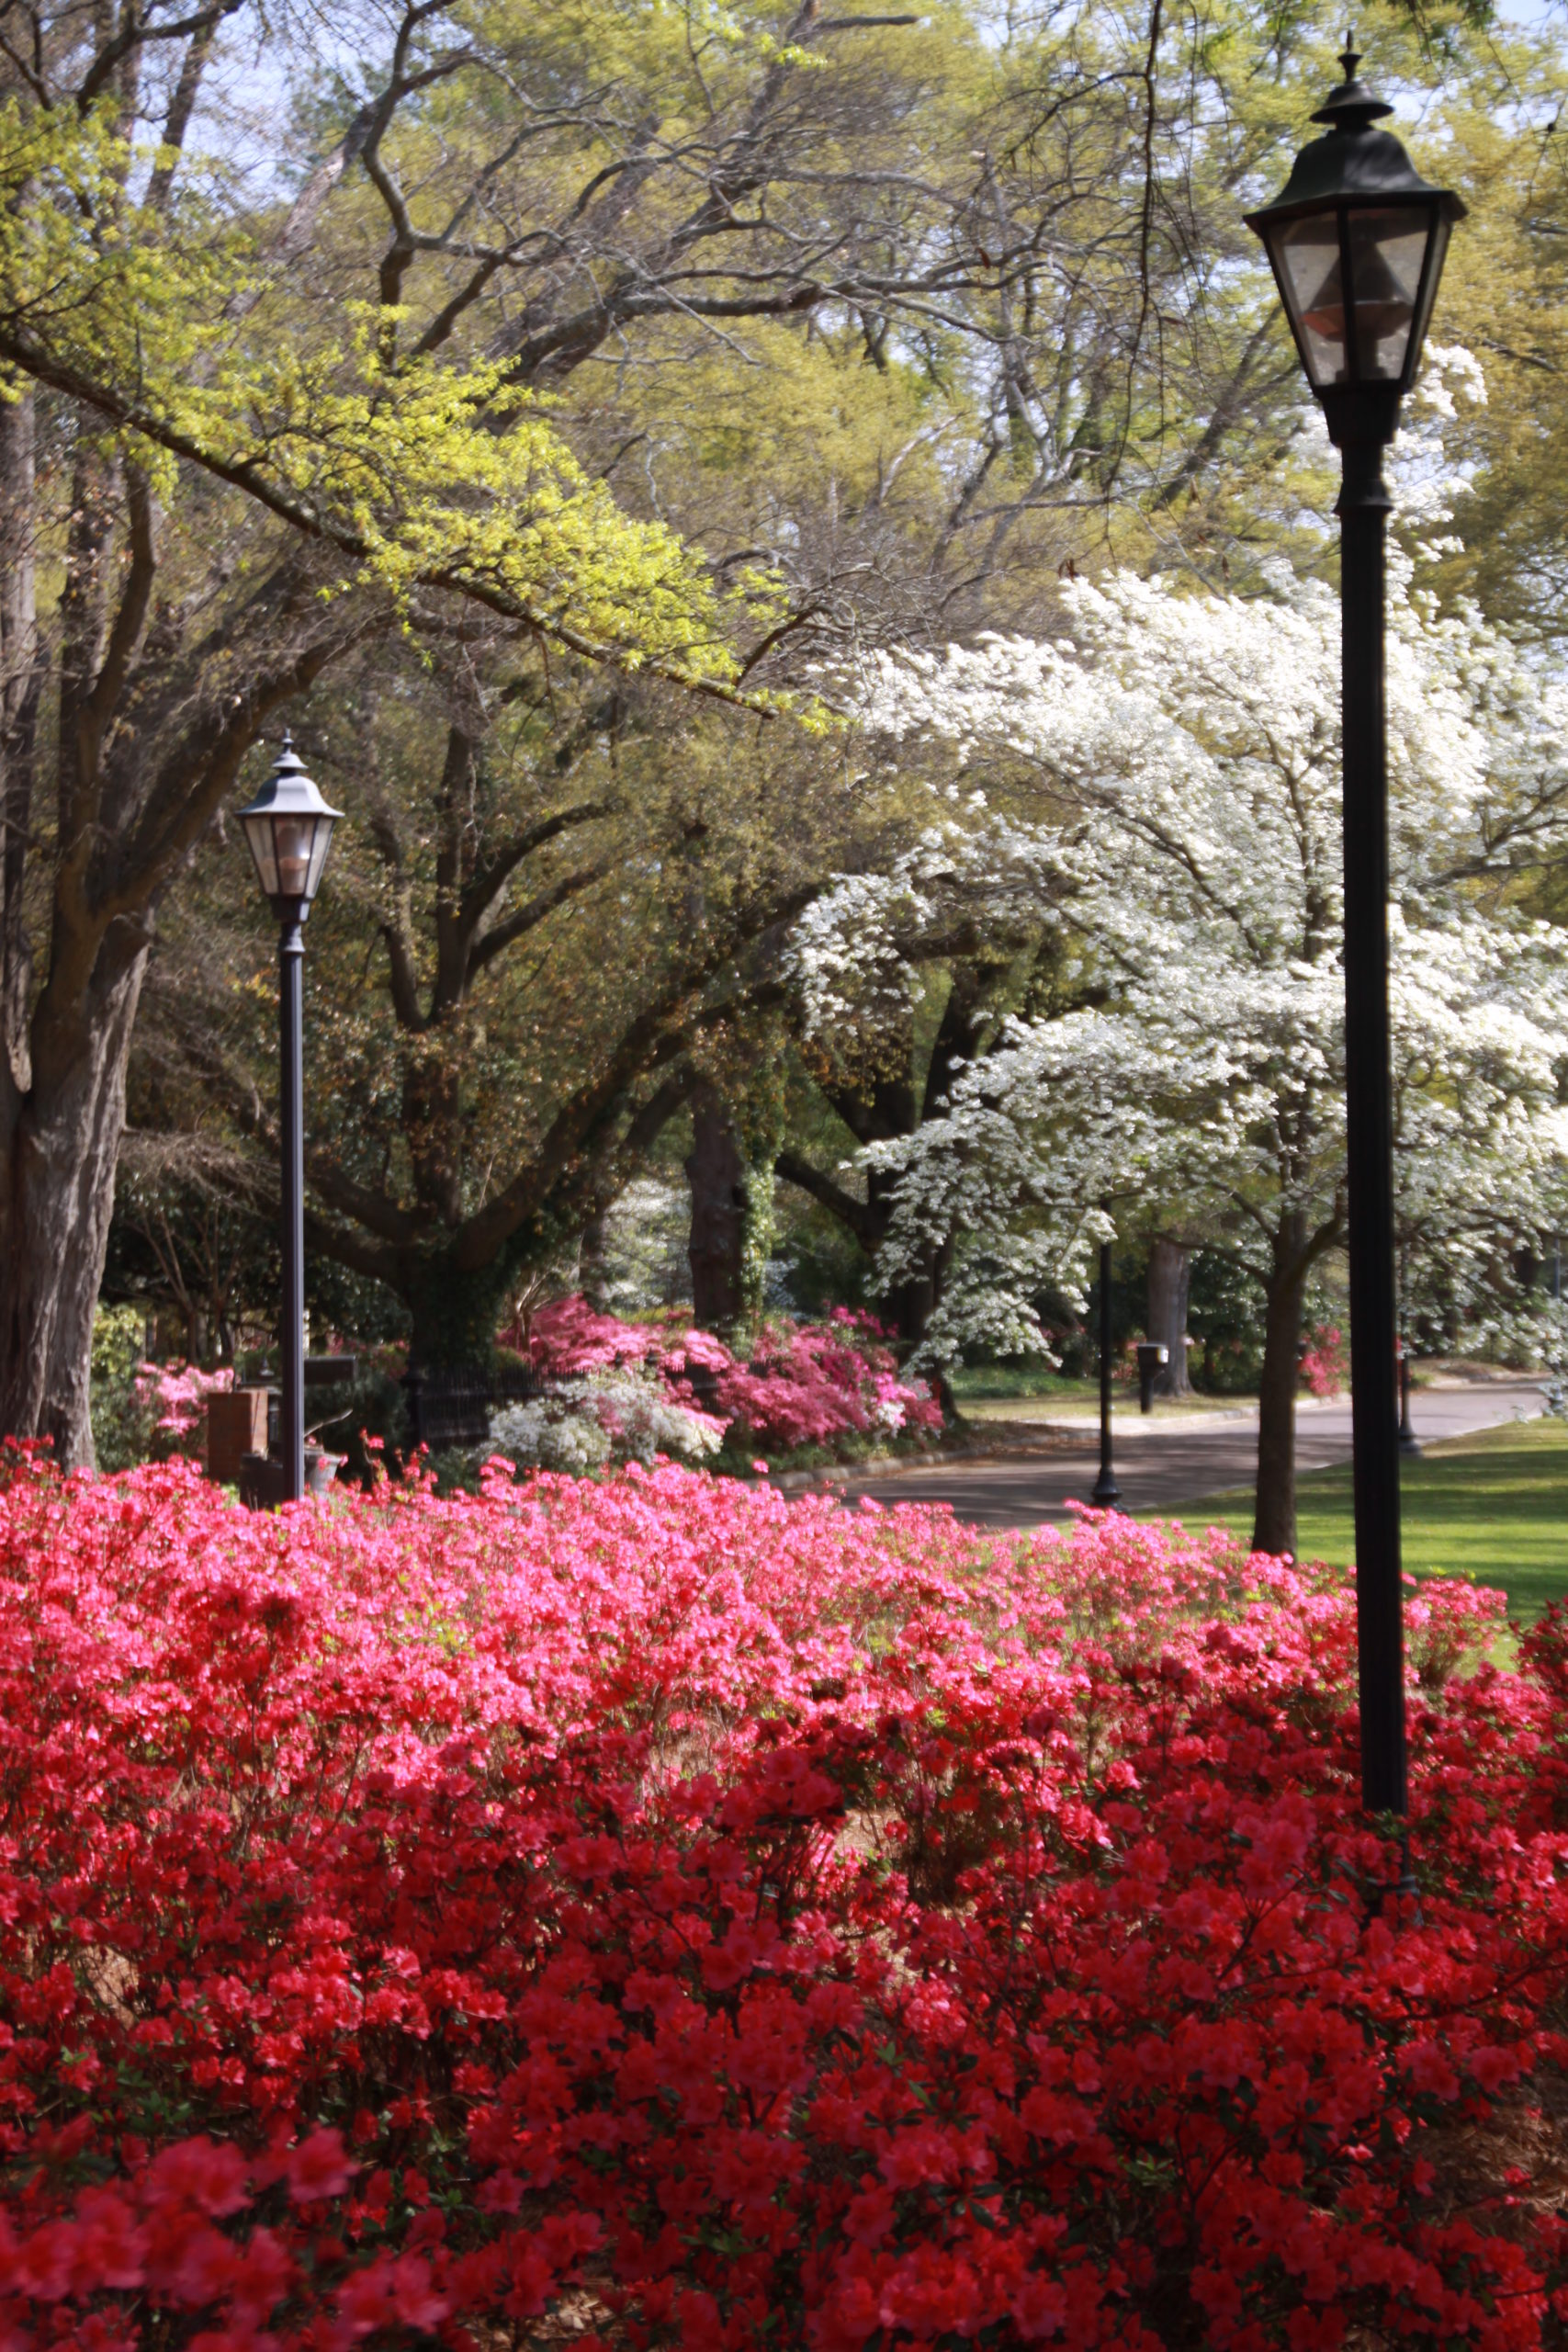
1106	1490
1357	239
1409	1444
289	828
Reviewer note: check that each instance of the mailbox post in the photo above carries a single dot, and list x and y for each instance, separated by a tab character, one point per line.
1152	1361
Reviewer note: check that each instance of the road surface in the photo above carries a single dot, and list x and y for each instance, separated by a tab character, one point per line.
1160	1465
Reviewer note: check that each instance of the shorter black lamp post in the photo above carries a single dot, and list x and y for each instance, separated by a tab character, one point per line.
1106	1490
289	828
1356	239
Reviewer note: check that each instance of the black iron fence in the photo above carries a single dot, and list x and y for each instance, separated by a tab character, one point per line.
452	1407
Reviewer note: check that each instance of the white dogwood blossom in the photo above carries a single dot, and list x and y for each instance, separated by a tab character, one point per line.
1188	749
622	1413
851	952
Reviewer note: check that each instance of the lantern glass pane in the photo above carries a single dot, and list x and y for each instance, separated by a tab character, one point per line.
293	838
1307	254
323	842
258	832
1387	245
1438	246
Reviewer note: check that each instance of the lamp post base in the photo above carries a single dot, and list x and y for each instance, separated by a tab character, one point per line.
1106	1491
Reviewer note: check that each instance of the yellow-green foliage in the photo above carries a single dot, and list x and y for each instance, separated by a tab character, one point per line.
1502	296
428	470
796	413
445	475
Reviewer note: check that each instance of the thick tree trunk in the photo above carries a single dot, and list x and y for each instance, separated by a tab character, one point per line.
21	679
453	1311
593	1273
717	1173
1274	1516
909	1307
59	1143
1171	1273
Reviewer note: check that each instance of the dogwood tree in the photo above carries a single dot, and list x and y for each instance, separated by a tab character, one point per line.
1185	752
906	975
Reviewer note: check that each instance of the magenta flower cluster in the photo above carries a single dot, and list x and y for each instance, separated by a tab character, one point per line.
177	1394
804	1383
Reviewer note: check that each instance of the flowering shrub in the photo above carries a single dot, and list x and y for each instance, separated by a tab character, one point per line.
144	1410
806	1384
752	1924
1323	1364
817	1383
176	1398
569	1337
625	1415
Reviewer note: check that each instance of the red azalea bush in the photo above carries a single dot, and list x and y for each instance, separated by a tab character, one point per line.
709	1922
805	1383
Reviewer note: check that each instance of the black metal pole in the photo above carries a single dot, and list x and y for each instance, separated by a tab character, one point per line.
1363	510
1106	1490
292	1091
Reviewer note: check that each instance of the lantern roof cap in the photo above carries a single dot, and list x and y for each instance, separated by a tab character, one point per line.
1353	163
286	790
1351	103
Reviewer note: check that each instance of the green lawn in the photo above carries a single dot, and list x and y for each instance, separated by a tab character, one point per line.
1020	1376
1029	1391
1493	1507
1072	1403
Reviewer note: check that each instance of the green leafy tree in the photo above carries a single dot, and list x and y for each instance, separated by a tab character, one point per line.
447	376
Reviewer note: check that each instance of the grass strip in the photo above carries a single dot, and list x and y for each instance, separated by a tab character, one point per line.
1491	1505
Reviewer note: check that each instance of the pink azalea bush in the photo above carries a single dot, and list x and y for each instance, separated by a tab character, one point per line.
175	1395
1323	1364
657	1910
141	1409
804	1385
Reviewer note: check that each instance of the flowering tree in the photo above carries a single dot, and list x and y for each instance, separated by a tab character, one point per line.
964	927
1190	747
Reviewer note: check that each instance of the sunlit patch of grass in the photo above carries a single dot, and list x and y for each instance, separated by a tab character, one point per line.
1491	1505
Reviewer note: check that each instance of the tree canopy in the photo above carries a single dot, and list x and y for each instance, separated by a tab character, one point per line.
558	412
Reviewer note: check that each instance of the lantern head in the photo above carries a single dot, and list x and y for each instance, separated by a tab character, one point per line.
289	828
1357	239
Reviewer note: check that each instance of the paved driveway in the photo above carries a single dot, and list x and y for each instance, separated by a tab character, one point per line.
1160	1465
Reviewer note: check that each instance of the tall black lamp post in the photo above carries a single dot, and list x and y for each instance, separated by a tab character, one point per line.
1357	241
289	828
